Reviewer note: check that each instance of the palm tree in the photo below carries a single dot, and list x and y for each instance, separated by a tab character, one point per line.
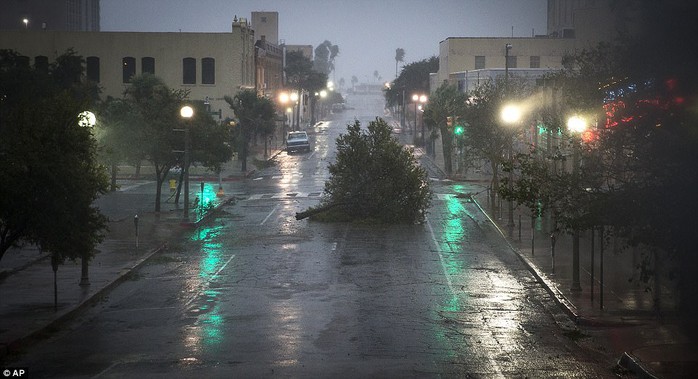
399	57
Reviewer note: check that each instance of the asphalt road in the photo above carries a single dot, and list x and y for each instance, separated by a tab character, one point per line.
256	293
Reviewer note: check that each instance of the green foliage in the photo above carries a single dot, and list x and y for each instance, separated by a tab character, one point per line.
325	54
155	112
50	172
399	57
637	177
255	114
414	78
298	68
375	178
446	103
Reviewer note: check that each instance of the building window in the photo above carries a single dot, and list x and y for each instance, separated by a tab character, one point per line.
128	69
41	63
189	71
535	61
148	65
511	61
479	62
208	71
92	68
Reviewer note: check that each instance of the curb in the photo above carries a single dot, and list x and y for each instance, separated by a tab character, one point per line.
551	288
630	362
21	342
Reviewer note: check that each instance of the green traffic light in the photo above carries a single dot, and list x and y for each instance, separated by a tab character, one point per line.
458	130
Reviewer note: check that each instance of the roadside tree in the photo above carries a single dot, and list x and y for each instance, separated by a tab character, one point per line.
157	110
255	114
48	156
445	109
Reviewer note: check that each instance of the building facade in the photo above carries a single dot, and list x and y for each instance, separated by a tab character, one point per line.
63	15
588	21
208	65
466	54
572	25
266	25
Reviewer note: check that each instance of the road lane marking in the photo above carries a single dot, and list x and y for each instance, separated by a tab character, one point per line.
441	258
269	215
207	284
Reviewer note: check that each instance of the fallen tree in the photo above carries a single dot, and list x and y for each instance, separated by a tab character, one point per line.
374	178
313	211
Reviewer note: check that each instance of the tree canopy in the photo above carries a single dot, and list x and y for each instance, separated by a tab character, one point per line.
255	114
414	78
637	176
325	54
48	156
375	178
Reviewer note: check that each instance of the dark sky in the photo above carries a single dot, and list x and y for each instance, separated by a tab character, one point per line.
366	31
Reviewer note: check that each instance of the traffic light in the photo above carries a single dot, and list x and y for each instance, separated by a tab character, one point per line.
458	130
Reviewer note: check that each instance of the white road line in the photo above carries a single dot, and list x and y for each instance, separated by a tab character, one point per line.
270	213
205	285
441	258
128	188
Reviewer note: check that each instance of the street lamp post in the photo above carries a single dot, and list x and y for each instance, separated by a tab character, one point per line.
511	114
296	109
419	98
577	126
86	119
507	47
283	100
186	112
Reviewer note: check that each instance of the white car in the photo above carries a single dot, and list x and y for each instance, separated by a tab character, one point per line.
297	141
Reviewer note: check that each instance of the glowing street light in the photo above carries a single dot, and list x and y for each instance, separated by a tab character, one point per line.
511	114
26	23
419	98
86	119
186	112
576	125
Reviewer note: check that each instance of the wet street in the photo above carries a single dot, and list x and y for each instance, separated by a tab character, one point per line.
255	293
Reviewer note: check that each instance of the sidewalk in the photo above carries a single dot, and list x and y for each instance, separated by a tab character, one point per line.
616	319
26	278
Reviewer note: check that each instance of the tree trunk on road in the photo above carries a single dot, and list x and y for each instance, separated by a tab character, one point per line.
314	211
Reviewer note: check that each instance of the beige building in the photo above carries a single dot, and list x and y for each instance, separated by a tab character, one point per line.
572	25
468	54
266	26
208	65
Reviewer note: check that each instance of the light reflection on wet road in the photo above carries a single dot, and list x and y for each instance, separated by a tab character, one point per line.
256	293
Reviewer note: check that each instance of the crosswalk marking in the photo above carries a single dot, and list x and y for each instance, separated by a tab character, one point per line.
302	195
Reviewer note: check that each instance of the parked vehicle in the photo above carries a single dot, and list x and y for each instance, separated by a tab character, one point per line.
297	141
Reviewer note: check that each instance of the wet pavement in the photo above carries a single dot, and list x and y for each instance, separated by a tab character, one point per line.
614	310
624	330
